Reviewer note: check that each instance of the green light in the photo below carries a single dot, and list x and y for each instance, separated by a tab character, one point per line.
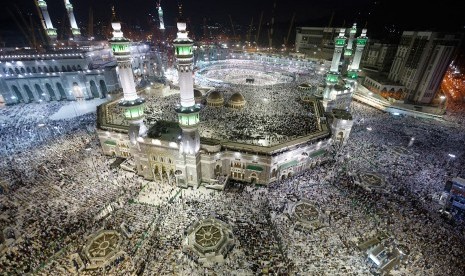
118	48
76	32
42	3
183	50
352	74
134	112
340	41
348	52
332	78
189	119
361	41
51	32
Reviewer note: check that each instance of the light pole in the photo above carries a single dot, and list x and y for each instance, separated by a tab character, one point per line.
441	104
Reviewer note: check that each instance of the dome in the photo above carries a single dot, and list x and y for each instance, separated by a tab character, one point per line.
236	100
215	98
197	93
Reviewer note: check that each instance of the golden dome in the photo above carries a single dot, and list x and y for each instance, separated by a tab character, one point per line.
237	98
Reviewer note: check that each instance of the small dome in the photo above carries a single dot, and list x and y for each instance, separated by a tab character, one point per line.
215	95
215	98
197	93
237	98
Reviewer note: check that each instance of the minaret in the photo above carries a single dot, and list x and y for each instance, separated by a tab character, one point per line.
72	21
46	22
160	15
188	162
360	45
348	51
339	43
132	105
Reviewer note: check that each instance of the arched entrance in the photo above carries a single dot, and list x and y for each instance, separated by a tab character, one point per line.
40	92
217	170
29	93
289	174
103	88
51	93
17	94
94	89
77	91
253	178
283	177
61	91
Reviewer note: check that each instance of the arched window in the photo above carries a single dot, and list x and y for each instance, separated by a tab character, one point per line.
28	70
63	68
23	71
17	71
45	69
34	70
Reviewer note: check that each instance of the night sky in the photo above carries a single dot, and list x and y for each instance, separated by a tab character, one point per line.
381	16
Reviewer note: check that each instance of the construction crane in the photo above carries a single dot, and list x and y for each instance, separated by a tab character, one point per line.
249	32
21	28
286	40
91	23
232	26
270	32
259	28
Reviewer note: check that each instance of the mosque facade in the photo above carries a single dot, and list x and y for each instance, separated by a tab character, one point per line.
174	151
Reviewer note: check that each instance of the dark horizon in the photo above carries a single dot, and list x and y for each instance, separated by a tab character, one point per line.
381	17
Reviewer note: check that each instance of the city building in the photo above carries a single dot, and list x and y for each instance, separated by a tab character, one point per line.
421	61
378	56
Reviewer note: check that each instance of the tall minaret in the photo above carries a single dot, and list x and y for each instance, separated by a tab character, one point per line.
188	112
348	51
46	22
131	103
339	43
72	21
360	45
160	15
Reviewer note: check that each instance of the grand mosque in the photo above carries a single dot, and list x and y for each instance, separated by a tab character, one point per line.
211	124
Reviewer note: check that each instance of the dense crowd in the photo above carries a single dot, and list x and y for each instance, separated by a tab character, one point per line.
57	187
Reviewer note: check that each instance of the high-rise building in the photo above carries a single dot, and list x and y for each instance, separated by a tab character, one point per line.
378	56
421	61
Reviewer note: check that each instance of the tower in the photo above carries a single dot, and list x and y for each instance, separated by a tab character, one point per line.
160	15
360	45
132	105
339	43
188	163
72	21
46	22
348	51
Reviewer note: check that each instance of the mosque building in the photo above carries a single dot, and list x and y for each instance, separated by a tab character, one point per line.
175	152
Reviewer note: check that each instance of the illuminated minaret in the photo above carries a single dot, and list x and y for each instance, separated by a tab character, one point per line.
188	162
72	21
360	45
348	51
132	105
46	22
160	15
339	43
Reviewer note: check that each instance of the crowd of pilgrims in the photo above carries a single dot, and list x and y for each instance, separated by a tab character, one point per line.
55	187
272	114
